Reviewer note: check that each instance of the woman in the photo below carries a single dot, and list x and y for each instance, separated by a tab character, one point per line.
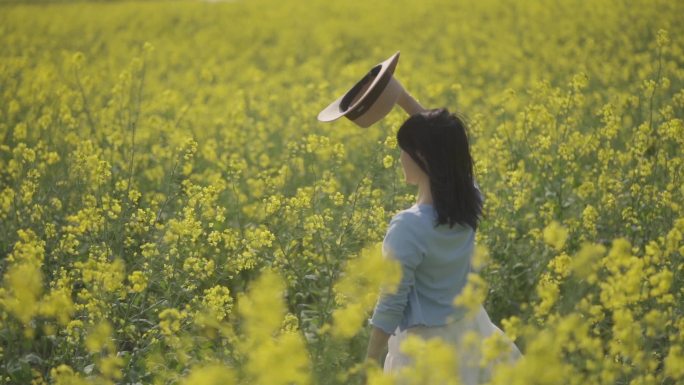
434	241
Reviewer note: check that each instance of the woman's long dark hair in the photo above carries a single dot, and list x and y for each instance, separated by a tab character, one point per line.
440	137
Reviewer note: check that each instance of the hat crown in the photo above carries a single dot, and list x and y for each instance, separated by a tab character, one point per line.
372	97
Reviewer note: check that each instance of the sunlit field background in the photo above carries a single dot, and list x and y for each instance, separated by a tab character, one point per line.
171	211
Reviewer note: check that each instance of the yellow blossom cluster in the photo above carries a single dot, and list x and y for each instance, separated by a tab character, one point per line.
171	210
362	279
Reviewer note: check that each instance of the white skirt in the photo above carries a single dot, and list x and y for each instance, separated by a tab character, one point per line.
470	373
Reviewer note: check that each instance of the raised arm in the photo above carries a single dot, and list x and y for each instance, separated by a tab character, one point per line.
408	103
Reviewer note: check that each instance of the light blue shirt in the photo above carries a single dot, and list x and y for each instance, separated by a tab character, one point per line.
435	262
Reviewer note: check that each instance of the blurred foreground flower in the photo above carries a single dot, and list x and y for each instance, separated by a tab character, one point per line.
357	289
274	356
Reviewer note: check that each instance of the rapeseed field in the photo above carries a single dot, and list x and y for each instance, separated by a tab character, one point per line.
171	211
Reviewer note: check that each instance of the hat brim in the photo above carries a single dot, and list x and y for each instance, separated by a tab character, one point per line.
336	109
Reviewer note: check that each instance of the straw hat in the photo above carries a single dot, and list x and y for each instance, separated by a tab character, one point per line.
372	97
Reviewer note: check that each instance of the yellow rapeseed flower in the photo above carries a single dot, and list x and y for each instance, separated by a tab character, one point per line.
211	374
473	294
99	337
387	161
674	362
433	361
362	279
57	303
170	321
273	357
64	375
555	235
23	286
138	281
585	262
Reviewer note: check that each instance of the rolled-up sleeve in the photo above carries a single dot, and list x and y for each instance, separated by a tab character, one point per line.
401	244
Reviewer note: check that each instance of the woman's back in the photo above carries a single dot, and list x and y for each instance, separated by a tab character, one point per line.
435	265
